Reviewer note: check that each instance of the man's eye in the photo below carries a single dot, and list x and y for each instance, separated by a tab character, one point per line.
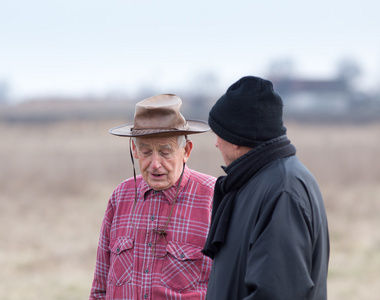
146	152
165	153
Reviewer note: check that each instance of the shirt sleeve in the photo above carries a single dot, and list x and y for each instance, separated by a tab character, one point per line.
99	284
279	261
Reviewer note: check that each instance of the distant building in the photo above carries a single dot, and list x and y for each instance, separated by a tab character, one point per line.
322	97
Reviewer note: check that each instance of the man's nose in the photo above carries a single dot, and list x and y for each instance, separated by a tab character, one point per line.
156	160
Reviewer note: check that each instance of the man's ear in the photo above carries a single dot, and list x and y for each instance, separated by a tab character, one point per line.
188	149
134	149
241	150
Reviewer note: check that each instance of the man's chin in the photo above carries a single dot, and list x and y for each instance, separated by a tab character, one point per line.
158	185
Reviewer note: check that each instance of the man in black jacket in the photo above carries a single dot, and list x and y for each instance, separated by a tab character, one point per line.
269	236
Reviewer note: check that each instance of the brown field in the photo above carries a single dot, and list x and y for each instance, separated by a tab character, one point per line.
55	180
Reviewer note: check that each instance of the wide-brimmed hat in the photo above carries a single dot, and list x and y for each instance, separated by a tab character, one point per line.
160	115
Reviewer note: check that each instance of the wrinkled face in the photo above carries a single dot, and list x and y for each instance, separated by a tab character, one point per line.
227	150
161	160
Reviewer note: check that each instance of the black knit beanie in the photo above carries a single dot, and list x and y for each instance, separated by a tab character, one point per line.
249	113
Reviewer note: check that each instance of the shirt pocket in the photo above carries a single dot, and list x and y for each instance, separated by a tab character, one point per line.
182	266
121	264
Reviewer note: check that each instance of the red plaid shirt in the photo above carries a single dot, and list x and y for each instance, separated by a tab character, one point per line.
135	262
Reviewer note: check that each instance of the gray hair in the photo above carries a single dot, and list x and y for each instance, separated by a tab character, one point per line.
181	141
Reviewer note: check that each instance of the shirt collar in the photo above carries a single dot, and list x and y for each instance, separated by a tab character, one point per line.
170	192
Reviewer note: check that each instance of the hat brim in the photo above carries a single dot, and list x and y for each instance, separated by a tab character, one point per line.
195	126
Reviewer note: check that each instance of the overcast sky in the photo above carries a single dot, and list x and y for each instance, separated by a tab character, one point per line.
91	46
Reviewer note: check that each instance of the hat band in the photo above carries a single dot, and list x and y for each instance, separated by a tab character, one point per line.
158	130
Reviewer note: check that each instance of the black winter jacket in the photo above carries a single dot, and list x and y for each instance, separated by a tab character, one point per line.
277	243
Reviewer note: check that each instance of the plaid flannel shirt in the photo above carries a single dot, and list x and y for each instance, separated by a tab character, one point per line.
135	262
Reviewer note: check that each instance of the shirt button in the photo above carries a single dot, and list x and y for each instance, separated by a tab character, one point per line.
118	249
182	255
145	296
150	244
152	218
146	270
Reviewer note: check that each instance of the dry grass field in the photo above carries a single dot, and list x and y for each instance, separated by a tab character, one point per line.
55	180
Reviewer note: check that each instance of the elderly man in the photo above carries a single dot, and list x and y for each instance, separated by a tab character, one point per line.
269	235
156	224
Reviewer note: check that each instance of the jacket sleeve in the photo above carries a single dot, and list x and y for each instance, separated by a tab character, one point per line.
279	260
99	284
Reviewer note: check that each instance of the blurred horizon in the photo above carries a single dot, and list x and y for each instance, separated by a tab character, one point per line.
308	99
